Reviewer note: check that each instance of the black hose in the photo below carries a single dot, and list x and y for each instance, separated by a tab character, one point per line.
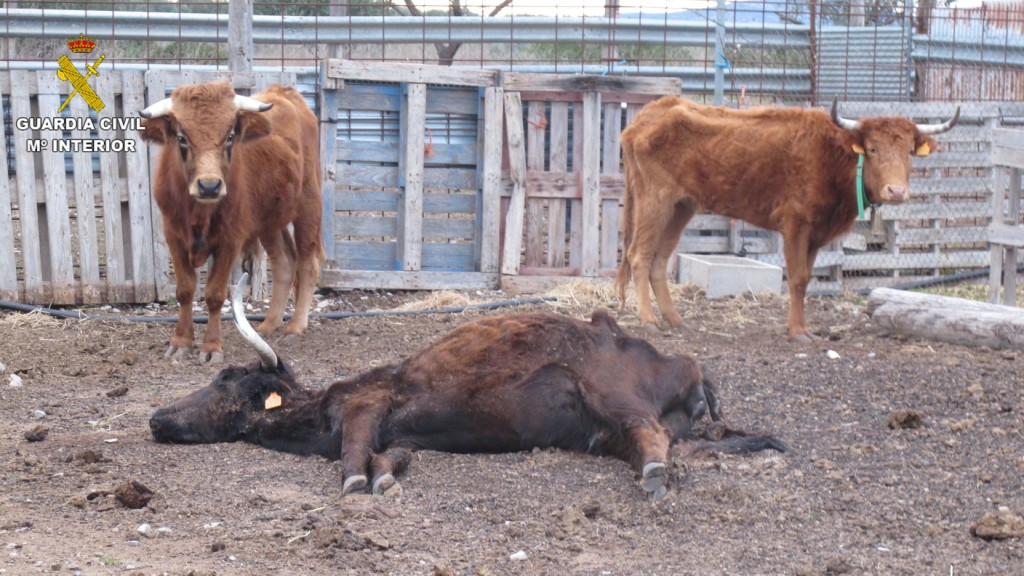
78	315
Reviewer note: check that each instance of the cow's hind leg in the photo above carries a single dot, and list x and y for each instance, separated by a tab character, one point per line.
651	221
281	252
681	216
310	254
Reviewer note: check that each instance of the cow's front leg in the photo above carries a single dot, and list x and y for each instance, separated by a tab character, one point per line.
799	264
185	291
216	293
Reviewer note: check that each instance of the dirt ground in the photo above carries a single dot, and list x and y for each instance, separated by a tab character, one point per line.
899	446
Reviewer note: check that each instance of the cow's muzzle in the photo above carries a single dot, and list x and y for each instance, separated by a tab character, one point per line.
209	188
895	194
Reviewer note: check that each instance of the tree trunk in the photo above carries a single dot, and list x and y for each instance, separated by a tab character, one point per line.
947	319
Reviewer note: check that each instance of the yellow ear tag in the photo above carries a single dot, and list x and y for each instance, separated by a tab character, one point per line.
923	150
272	401
858	149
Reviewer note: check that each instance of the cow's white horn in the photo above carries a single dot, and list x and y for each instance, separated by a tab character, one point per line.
247	104
157	110
844	123
929	129
267	356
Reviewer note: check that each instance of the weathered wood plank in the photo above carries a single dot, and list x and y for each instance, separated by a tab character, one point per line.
140	210
113	226
330	154
576	205
366	98
410	210
387	226
558	161
25	166
8	264
517	173
610	160
533	219
61	269
448	257
518	81
492	133
422	280
360	151
411	73
85	213
359	175
156	89
449	100
1012	139
591	183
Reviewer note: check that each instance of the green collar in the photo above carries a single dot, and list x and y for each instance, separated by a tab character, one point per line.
861	198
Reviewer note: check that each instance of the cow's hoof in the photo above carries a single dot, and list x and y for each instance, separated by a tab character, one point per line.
211	357
178	352
287	339
801	338
654	479
383	483
353	483
650	329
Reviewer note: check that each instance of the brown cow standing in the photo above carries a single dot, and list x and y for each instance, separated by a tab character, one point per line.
790	170
234	170
498	384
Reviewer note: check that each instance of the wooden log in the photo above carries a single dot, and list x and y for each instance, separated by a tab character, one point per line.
947	319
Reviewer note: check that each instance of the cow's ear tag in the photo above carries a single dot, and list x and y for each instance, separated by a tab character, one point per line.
858	149
923	150
272	401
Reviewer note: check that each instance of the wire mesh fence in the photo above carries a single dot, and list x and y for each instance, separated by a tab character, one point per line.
774	49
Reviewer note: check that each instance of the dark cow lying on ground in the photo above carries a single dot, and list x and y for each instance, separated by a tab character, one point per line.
233	171
785	169
498	384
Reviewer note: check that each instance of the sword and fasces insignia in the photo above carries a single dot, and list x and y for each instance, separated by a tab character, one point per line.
69	72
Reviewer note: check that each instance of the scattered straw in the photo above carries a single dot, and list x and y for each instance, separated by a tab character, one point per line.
33	319
438	300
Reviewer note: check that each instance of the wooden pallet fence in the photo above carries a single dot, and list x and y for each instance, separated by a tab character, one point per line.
413	189
81	230
564	177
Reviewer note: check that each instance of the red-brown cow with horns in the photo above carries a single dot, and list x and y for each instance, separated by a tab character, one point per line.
498	384
235	170
785	169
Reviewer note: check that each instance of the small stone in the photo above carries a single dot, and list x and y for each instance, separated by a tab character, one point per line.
15	381
144	529
520	555
38	414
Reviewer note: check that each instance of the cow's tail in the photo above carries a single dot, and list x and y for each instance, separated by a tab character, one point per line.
625	272
721	438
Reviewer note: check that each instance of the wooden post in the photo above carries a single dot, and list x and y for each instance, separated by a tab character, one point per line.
410	206
8	270
491	180
240	45
517	173
591	180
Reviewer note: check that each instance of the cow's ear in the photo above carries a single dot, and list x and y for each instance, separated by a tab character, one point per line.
252	125
157	130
